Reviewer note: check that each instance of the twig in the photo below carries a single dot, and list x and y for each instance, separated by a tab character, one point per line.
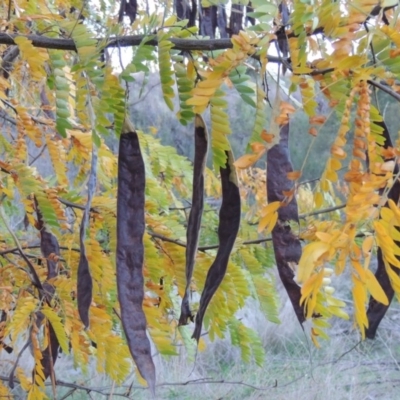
76	205
38	156
145	95
323	211
69	393
203	248
12	372
86	389
36	246
384	88
33	274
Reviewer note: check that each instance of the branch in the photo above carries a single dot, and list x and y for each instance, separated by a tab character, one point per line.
36	246
385	89
128	41
76	205
203	248
33	274
323	211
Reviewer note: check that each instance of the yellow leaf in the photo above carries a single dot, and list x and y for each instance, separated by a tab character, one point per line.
311	253
270	208
58	327
209	83
360	298
198	101
338	312
375	288
268	222
204	91
324	237
318	199
367	244
308	287
170	21
395	209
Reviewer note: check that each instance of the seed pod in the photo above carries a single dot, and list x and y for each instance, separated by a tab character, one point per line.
85	284
50	247
130	250
287	246
229	221
196	212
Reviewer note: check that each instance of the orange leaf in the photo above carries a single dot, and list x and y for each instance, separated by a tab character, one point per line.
294	175
390	152
248	160
268	137
313	131
256	147
338	152
317	120
360	154
282	119
394	53
288	193
286	108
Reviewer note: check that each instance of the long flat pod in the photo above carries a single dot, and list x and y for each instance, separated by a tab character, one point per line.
85	282
196	212
50	249
130	250
229	221
286	245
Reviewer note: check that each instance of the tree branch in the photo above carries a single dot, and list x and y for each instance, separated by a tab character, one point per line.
323	211
203	248
385	89
128	41
121	41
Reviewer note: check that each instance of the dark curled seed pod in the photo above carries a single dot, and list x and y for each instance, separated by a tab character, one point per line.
229	221
196	212
286	245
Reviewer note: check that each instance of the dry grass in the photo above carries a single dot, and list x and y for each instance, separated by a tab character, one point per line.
293	370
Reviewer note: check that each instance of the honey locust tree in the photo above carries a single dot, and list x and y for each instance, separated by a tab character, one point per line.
100	252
